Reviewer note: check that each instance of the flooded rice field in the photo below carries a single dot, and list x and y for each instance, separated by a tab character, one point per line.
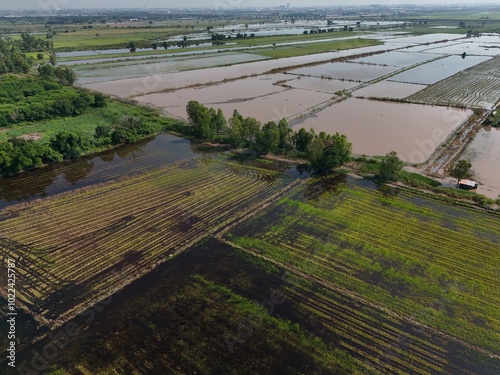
125	69
389	89
407	40
396	58
236	91
305	95
484	154
154	81
319	84
437	70
375	128
469	47
346	71
275	105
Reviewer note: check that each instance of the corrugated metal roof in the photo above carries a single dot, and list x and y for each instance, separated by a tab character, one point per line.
467	182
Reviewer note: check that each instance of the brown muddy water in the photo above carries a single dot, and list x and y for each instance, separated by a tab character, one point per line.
437	70
153	81
396	58
484	154
346	71
388	89
318	84
278	103
376	128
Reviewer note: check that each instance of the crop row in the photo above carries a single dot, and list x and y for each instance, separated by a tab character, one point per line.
74	246
376	335
477	86
394	252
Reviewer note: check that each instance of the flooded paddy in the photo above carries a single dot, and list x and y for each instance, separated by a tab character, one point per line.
318	84
478	86
345	70
275	105
484	154
235	91
375	128
419	39
153	80
396	58
126	69
470	47
437	70
389	89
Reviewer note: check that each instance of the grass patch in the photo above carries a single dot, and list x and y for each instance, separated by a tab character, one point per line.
417	180
85	123
308	49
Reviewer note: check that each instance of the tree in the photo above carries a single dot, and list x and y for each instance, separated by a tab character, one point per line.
65	75
250	131
53	59
99	101
218	121
46	71
268	138
132	46
461	169
337	151
285	135
390	167
235	131
302	139
315	151
69	145
200	119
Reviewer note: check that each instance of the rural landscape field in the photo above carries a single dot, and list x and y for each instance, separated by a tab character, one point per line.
229	188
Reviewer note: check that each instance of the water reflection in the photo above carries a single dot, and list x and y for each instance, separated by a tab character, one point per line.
106	166
79	172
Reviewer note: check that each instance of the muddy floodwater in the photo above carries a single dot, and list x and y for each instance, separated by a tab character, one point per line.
346	71
437	70
274	105
376	128
115	70
396	58
484	154
388	89
152	81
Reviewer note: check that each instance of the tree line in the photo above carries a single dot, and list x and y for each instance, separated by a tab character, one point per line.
13	58
18	154
324	151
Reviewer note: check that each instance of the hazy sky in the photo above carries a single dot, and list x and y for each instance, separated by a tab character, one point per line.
71	4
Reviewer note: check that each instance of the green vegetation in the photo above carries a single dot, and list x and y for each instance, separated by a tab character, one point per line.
461	169
493	119
323	151
311	48
390	167
48	122
415	256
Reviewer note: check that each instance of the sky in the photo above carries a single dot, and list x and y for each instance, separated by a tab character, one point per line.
73	4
